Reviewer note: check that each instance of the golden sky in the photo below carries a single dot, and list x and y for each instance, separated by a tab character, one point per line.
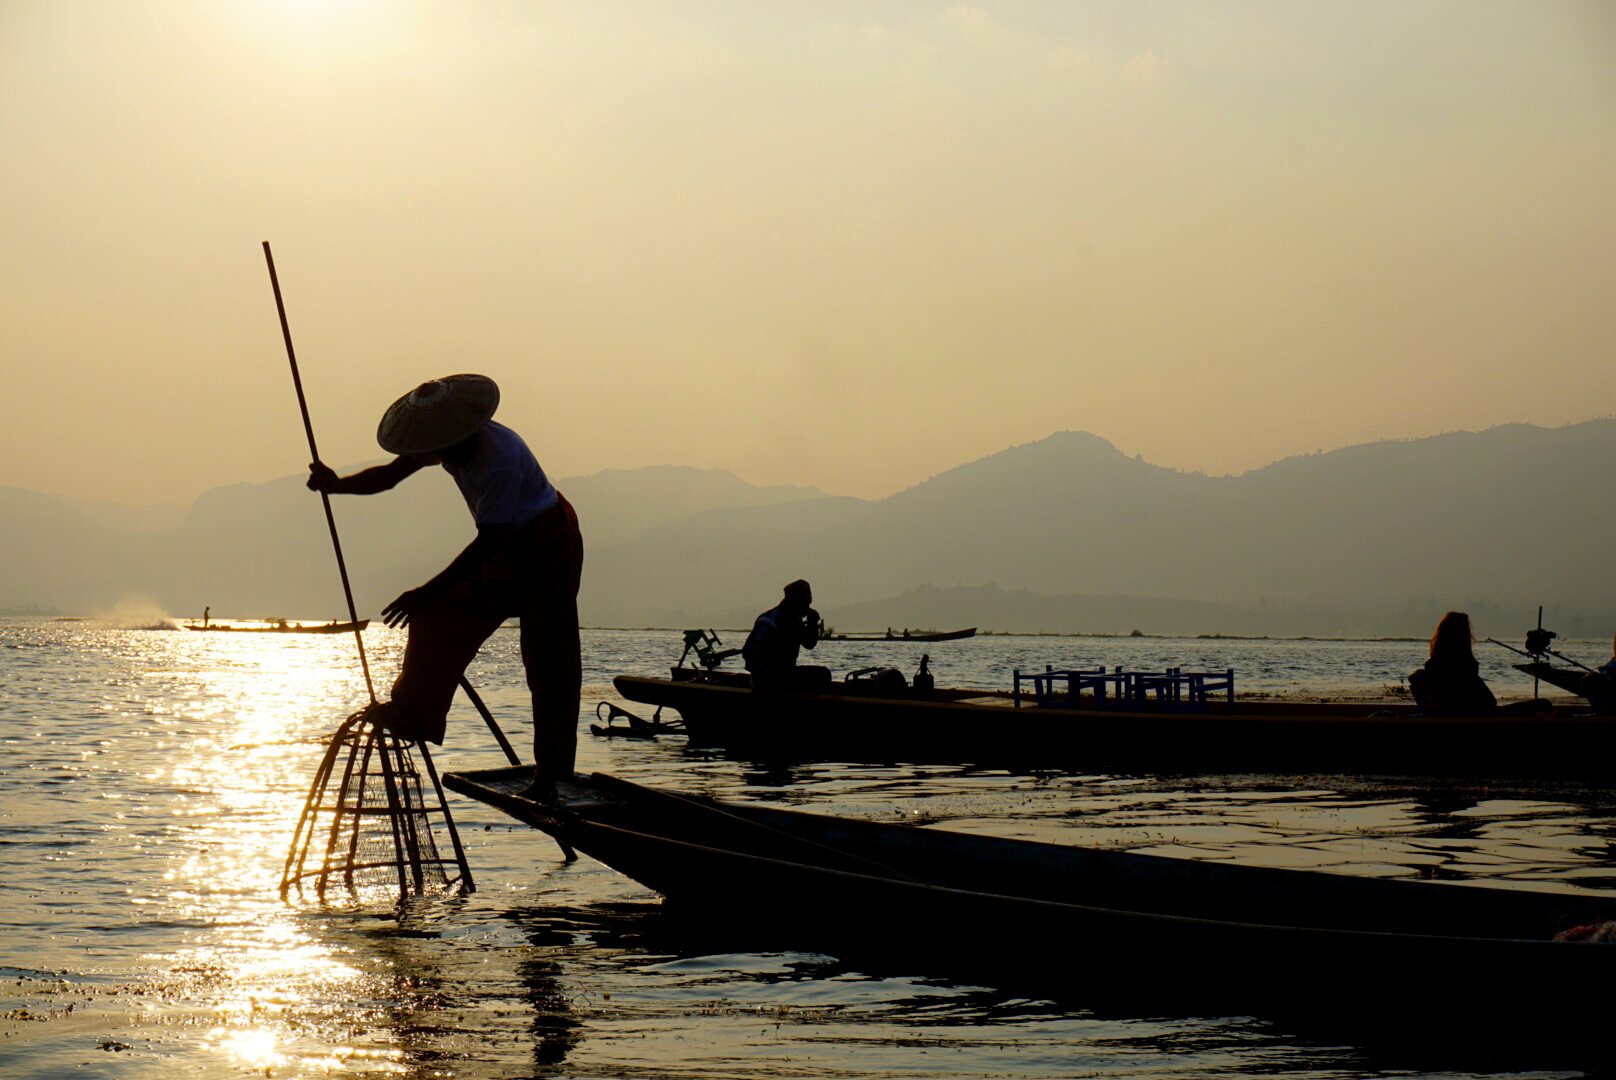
842	244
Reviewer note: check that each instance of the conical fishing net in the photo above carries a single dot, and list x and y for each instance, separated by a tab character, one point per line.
367	826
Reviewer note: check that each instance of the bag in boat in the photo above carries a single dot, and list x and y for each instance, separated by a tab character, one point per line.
877	682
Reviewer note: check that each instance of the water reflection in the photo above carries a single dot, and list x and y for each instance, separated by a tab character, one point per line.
165	772
555	1029
697	1001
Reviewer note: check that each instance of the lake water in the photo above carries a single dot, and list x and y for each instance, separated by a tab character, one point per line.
152	780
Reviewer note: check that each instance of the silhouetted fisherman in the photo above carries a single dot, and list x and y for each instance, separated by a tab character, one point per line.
525	562
770	651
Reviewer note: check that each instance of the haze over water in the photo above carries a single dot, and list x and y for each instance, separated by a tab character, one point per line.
155	777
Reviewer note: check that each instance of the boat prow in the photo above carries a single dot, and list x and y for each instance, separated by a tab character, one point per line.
1567	679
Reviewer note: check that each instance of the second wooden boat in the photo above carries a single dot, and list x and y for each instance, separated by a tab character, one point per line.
977	727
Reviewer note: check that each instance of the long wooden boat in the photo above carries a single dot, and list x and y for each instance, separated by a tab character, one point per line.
907	635
284	628
974	727
1099	919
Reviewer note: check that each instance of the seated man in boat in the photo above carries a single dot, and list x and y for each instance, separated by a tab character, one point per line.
1450	683
770	651
1599	687
525	562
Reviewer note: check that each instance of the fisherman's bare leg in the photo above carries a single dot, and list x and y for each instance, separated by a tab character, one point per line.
551	649
443	639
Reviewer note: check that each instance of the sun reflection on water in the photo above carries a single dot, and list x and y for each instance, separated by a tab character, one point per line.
260	708
254	1047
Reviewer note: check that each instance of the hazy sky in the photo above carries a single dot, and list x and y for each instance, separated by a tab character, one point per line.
841	244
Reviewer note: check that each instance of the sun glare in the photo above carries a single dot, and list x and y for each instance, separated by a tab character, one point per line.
328	31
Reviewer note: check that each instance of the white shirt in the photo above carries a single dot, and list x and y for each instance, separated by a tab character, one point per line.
502	483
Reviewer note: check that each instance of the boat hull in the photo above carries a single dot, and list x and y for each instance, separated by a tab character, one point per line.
1251	738
1567	679
1118	920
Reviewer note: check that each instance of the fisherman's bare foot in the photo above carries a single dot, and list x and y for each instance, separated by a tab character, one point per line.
393	720
541	790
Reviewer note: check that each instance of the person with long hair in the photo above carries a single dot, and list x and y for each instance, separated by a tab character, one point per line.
1450	683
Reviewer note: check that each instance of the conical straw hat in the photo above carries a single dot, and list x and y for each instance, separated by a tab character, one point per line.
437	414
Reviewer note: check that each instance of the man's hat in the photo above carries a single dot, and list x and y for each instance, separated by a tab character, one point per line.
438	414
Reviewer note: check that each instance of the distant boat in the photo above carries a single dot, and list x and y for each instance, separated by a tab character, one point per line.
907	635
281	626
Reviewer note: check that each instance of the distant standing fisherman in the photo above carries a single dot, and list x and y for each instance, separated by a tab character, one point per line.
526	562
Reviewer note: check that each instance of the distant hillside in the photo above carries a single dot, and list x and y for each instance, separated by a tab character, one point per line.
1504	517
1073	536
618	503
55	555
263	550
134	520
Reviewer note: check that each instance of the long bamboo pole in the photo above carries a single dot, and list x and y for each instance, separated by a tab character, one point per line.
406	847
314	455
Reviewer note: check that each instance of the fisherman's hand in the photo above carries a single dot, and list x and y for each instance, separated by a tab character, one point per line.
322	477
406	607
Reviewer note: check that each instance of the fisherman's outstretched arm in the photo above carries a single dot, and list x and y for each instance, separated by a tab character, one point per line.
468	562
369	481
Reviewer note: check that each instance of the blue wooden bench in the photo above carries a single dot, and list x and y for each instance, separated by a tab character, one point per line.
1048	691
1177	690
1172	690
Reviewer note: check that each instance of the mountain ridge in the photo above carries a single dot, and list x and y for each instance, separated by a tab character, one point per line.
1503	516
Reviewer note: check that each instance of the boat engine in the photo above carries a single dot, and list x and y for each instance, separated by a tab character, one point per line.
1537	643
